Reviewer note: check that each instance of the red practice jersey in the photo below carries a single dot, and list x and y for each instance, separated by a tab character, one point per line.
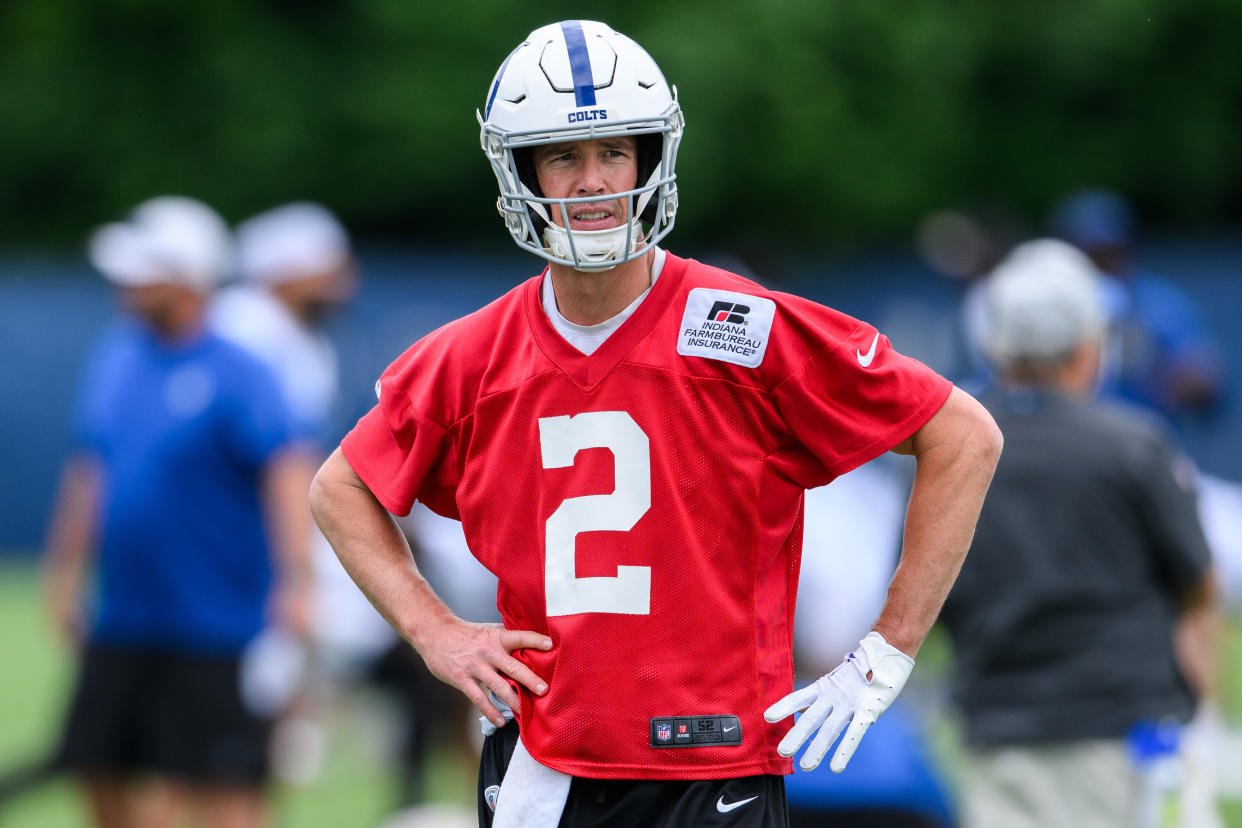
642	506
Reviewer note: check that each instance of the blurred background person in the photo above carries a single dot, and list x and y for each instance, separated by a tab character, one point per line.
295	268
846	566
180	524
963	244
1161	354
1086	607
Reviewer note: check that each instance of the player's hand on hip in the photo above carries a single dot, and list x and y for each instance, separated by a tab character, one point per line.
855	693
476	658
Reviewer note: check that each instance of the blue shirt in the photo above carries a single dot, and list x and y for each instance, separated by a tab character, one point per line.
1159	336
183	433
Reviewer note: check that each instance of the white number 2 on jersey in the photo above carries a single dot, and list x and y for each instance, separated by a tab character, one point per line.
561	438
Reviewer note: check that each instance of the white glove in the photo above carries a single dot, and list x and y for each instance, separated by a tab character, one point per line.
844	695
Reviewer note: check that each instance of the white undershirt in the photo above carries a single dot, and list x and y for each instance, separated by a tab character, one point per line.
586	338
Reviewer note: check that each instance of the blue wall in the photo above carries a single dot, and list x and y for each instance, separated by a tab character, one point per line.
51	312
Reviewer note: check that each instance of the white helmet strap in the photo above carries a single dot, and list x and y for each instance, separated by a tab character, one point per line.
595	249
650	190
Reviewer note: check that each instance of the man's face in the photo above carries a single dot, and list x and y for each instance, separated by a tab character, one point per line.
161	304
577	169
314	296
1113	259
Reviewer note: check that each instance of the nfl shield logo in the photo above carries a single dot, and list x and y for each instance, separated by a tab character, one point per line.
664	732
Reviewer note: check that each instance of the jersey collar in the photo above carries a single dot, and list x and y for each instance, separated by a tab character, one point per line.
587	371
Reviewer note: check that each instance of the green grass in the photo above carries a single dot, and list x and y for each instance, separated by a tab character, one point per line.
1231	693
355	788
33	685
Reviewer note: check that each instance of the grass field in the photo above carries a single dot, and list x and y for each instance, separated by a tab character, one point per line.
355	788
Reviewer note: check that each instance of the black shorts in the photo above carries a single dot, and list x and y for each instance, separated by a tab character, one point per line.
173	714
745	802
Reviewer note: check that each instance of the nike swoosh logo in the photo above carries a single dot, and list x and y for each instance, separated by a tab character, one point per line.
725	808
727	729
865	359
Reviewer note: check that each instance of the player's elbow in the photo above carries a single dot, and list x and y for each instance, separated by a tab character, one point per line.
988	439
978	429
318	497
962	434
325	485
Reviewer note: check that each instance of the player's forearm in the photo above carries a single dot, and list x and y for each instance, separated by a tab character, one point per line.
71	540
71	533
957	453
373	550
1197	639
286	484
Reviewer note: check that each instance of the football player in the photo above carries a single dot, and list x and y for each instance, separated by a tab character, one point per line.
626	438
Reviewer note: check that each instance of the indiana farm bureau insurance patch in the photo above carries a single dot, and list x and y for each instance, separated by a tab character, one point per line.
720	324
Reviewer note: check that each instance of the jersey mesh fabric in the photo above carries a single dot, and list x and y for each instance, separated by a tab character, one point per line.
728	451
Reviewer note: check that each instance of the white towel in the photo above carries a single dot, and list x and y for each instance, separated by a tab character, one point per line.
531	795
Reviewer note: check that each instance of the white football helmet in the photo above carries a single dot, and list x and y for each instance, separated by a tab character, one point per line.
576	80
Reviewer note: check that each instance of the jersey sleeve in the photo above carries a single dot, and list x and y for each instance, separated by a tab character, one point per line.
852	397
397	449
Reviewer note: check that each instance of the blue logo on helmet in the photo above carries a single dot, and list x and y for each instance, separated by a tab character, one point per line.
588	115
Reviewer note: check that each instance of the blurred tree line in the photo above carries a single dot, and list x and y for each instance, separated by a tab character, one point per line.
807	122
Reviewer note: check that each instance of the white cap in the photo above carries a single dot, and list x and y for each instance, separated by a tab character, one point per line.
291	242
1044	300
169	239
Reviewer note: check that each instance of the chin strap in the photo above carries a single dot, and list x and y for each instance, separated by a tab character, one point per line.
595	249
